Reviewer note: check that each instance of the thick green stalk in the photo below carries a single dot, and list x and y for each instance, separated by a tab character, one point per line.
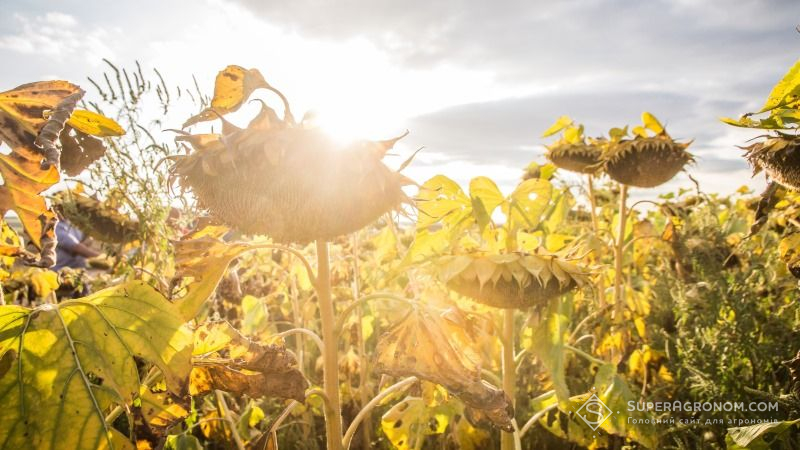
330	356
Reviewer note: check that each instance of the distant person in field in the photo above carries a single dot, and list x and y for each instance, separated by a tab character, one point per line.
73	247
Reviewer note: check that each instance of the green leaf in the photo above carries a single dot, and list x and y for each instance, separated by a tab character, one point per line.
52	396
762	436
614	392
441	199
256	316
408	422
182	442
561	123
485	197
527	203
547	343
785	91
574	135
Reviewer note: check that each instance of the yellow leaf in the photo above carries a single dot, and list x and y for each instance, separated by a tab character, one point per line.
205	260
44	282
22	118
561	123
94	124
651	123
232	87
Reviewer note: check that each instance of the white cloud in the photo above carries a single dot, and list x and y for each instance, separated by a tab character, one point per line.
57	36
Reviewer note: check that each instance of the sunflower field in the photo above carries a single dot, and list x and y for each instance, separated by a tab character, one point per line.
269	287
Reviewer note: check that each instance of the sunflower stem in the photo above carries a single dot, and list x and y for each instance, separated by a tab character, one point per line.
600	288
330	357
509	371
619	250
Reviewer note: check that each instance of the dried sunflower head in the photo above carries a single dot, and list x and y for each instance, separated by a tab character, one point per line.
779	157
515	280
289	181
573	151
645	160
581	157
97	219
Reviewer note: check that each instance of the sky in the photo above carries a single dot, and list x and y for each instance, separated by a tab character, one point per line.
474	82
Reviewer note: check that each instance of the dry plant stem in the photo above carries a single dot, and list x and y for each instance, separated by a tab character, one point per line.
619	292
225	413
592	204
365	411
363	375
509	371
535	418
359	301
601	295
330	367
306	332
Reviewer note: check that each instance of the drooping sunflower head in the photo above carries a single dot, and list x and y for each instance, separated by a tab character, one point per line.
580	157
779	157
649	159
573	151
98	219
288	180
515	280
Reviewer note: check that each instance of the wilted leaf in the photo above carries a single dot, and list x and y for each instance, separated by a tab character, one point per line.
94	124
74	361
232	87
44	282
242	366
31	166
205	259
79	150
450	358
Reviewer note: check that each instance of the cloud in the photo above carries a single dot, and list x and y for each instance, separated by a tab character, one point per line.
506	133
57	36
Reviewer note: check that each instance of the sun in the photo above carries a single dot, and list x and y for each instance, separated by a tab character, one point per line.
347	123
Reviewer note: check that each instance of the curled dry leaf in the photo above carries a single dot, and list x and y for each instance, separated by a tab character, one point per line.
32	118
205	259
284	179
441	348
233	363
154	412
27	170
